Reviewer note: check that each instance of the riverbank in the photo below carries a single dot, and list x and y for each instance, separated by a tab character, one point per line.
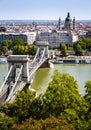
72	59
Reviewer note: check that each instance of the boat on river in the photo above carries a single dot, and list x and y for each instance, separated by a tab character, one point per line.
3	61
57	61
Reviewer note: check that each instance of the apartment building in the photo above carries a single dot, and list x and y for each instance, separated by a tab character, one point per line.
26	37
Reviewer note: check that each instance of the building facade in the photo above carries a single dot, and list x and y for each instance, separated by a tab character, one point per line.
54	38
26	37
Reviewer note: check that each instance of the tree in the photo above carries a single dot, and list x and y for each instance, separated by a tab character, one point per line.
6	46
60	47
87	97
60	107
16	50
10	44
6	122
63	49
78	50
88	91
85	43
82	44
7	43
32	49
19	109
4	49
68	45
24	50
18	41
0	50
51	123
62	98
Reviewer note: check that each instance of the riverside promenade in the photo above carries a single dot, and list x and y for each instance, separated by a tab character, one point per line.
73	59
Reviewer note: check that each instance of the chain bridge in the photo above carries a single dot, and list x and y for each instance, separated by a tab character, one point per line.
21	70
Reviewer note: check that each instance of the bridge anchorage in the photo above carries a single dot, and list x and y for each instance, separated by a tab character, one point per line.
21	70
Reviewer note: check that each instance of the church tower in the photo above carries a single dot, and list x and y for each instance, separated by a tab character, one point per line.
74	22
59	24
68	22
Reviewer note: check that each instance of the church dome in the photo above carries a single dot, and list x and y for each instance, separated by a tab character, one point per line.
68	18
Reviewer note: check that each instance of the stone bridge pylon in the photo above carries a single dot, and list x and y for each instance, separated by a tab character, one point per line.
17	61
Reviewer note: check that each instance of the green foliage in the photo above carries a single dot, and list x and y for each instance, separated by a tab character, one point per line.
19	50
63	49
7	43
19	47
61	94
18	41
77	119
83	44
78	50
6	122
60	107
19	109
87	41
6	46
24	50
4	49
68	45
32	50
0	50
88	91
87	96
51	123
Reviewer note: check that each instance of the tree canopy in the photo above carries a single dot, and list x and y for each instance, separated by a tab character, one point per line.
63	49
60	107
17	47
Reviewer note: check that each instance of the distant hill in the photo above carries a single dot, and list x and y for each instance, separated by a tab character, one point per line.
37	21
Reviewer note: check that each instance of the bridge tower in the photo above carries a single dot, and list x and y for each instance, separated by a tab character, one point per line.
42	45
16	61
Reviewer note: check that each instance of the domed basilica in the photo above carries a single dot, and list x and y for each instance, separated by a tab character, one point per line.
69	24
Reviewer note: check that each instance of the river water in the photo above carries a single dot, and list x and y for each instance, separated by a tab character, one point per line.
3	72
81	72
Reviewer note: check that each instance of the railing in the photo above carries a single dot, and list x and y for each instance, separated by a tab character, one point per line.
4	87
15	85
38	62
6	78
36	54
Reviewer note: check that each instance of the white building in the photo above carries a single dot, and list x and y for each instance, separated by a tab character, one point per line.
28	37
54	38
31	37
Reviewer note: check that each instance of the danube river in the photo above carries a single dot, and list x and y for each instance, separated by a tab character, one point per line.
81	72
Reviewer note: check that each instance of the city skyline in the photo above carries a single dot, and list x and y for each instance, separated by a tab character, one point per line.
44	9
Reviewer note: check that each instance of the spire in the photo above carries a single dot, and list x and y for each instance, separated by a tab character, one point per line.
68	14
74	23
68	18
59	24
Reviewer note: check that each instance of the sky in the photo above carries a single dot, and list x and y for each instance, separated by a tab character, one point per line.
44	9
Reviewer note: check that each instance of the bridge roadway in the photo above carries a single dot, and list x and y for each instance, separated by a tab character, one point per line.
8	92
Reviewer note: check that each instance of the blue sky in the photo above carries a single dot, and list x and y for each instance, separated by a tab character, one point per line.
44	9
